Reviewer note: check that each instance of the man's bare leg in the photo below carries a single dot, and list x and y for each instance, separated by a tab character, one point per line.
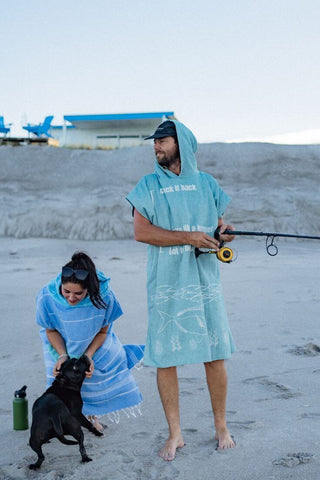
169	393
217	381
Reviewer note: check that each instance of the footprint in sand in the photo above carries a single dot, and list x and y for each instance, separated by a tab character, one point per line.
308	350
8	355
156	471
3	411
185	393
189	380
293	459
190	430
310	415
141	435
17	270
247	424
282	391
125	458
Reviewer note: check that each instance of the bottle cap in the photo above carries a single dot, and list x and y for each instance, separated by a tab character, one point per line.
21	393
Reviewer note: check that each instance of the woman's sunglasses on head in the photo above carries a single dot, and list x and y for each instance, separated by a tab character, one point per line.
79	274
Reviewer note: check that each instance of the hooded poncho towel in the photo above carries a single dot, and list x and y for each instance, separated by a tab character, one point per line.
112	387
187	318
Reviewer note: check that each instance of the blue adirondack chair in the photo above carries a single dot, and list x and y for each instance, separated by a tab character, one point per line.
41	128
3	128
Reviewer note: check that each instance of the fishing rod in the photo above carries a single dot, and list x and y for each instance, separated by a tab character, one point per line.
225	254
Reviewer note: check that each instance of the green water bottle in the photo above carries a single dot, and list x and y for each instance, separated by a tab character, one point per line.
20	409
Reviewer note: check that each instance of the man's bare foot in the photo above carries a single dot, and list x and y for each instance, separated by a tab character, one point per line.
225	440
168	452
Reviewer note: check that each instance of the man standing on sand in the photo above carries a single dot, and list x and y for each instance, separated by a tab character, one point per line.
176	209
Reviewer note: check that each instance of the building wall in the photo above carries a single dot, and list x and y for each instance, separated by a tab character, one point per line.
117	137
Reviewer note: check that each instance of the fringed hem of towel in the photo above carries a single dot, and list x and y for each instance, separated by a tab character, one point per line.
139	365
128	412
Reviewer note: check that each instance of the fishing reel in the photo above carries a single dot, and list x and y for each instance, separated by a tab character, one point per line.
224	254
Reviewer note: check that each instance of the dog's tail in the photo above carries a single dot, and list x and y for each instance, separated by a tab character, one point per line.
66	441
55	420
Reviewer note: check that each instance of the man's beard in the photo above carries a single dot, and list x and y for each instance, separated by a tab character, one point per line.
166	161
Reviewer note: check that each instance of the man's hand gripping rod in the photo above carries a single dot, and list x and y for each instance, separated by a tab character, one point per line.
225	254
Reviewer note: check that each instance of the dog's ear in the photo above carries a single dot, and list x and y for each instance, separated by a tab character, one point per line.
86	359
65	363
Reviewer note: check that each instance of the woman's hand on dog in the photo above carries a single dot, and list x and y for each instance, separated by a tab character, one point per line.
57	367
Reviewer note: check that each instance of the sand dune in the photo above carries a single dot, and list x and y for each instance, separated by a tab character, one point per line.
77	194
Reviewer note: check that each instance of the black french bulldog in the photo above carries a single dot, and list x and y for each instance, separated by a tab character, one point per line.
58	411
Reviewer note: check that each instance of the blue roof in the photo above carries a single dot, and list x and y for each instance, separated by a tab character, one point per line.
59	127
116	116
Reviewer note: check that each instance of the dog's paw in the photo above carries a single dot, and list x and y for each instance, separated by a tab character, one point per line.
34	466
97	433
85	459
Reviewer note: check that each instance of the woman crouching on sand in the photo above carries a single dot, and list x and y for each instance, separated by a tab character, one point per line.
76	311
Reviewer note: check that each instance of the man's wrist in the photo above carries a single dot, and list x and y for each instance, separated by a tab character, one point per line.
187	238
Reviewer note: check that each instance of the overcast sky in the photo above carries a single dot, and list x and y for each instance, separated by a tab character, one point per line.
229	69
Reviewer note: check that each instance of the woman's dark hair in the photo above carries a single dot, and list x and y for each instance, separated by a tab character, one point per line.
82	261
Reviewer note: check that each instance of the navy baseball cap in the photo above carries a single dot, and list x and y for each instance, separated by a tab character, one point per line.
166	129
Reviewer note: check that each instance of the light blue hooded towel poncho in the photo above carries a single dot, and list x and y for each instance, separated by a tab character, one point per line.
111	388
187	318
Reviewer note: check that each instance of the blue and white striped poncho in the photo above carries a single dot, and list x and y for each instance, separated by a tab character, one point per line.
112	387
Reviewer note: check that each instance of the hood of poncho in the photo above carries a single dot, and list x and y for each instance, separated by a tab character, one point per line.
55	284
188	147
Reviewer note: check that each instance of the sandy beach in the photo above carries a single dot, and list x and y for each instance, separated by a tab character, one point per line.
56	201
273	408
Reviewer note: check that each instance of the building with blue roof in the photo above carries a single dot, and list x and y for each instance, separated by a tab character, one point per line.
107	130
